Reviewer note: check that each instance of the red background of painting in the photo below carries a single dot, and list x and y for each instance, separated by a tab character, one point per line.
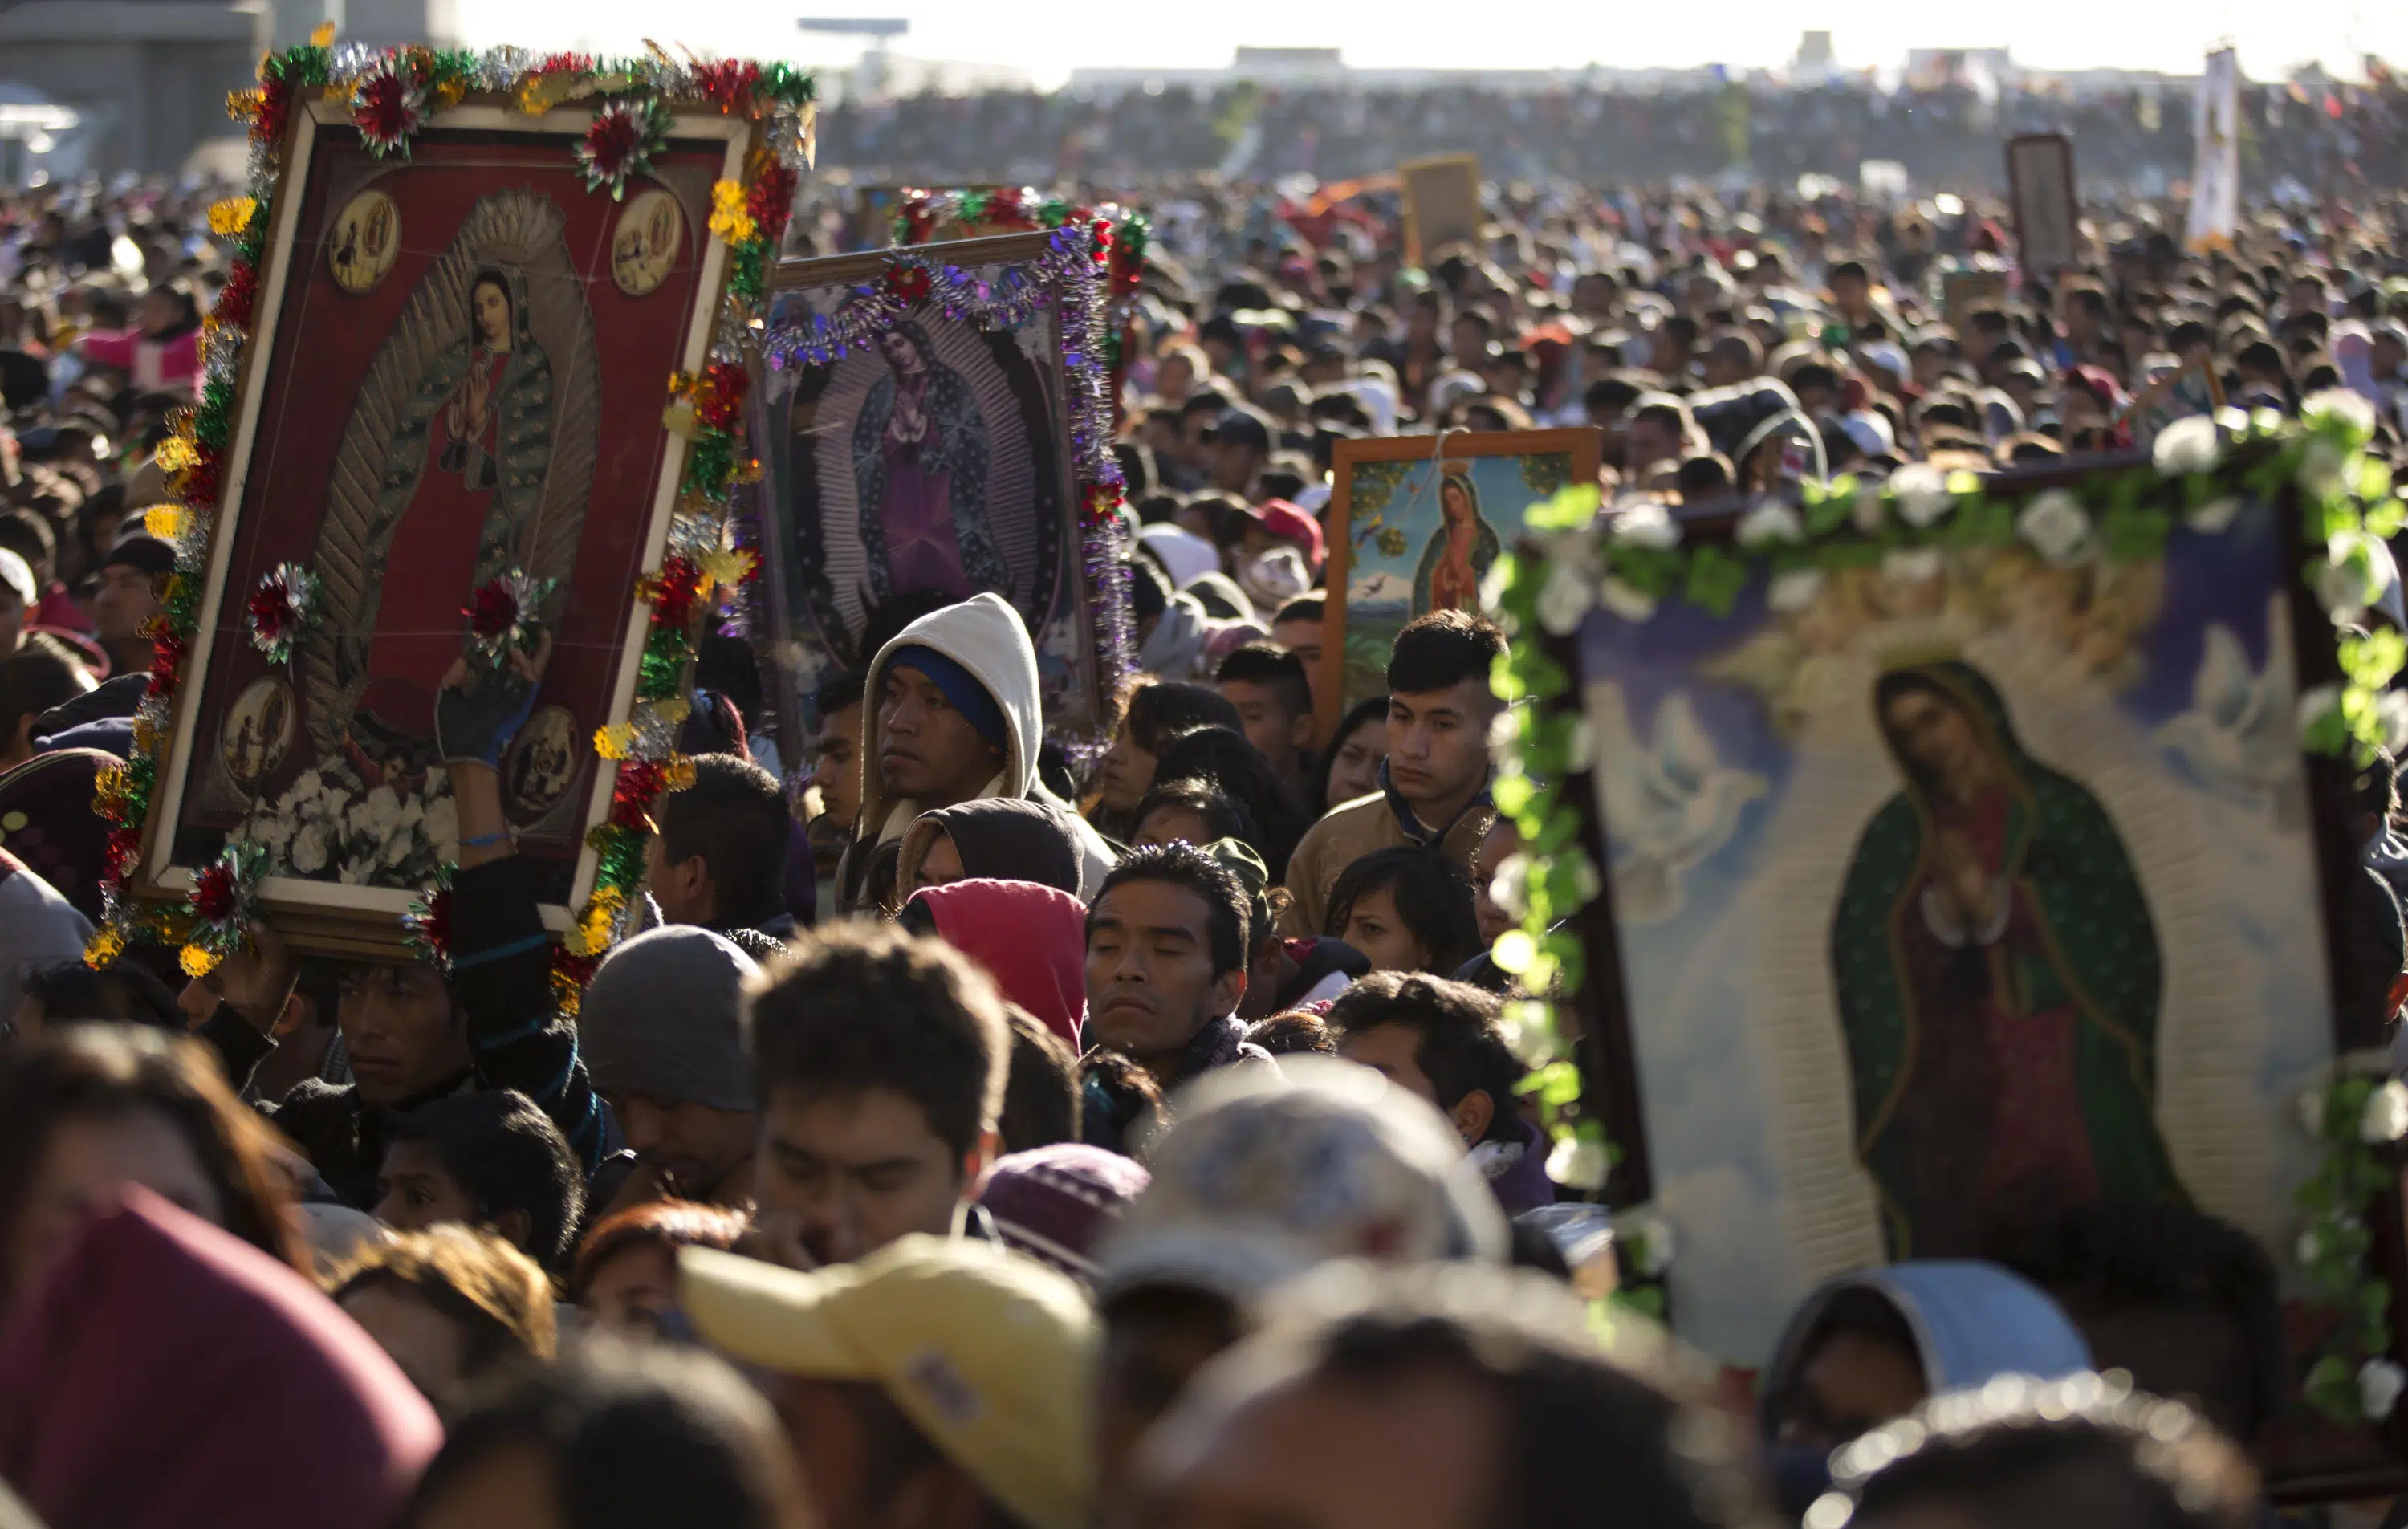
326	339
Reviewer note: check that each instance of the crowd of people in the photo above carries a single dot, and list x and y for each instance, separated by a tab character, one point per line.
1945	130
1001	1147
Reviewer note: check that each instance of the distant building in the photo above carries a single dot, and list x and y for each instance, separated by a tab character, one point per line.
146	79
1326	68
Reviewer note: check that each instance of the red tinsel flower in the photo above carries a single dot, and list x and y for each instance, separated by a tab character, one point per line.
213	893
430	923
387	110
123	848
772	199
198	483
720	400
908	282
679	582
274	110
236	297
167	654
570	972
611	143
563	64
271	610
492	611
1103	241
1004	205
729	84
632	794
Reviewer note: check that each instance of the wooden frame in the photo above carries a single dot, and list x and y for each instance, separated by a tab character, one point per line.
1441	197
801	599
1583	445
2304	1460
323	172
2046	201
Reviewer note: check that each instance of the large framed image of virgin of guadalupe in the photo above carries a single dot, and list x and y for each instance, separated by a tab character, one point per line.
935	425
1413	525
1969	891
451	401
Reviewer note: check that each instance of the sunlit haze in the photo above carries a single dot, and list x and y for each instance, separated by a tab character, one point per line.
1049	40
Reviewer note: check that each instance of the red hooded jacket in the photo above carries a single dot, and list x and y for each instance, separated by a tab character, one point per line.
1031	939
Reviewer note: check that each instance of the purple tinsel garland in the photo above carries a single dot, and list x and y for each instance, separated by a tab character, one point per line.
1065	278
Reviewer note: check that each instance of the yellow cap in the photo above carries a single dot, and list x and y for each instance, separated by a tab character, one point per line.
989	1353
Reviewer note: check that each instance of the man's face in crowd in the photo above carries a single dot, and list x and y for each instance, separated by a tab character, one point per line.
404	1035
124	600
1155	1339
425	1345
1647	442
1269	726
1150	981
1420	1452
2389	357
691	1143
416	1191
1437	741
1851	1383
837	766
84	1161
842	1174
1128	771
1502	842
12	620
930	749
1850	293
1302	637
1235	462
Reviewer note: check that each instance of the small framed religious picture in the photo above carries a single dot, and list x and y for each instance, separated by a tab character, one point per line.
935	422
2046	200
1979	881
1442	199
1413	524
427	491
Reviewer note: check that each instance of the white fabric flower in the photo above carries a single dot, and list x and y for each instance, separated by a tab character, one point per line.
1565	599
2187	446
2320	465
309	850
2392	712
1793	591
1649	1238
2055	526
2316	703
1631	604
1911	565
1530	1027
2352	576
1580	747
2341	402
1770	524
1508	887
1921	492
2214	518
1867	512
2308	1249
2379	1384
2385	1120
1577	1164
1650	525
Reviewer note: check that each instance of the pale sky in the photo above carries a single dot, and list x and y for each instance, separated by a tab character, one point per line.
1048	39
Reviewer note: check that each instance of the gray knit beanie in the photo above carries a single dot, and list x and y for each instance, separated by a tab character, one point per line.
664	1016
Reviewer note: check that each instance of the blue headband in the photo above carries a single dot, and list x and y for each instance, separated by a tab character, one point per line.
962	688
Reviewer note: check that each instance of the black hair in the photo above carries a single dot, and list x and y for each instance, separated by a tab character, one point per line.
839	691
2133	1258
1222	757
1442	649
1040	1087
862	1006
1370	708
1149	589
124	993
1853	269
2071	1454
1269	665
1161	710
1461	1045
1185	865
1304	607
504	1154
1224	817
32	680
1431	893
1296	1032
631	1436
734	816
24	533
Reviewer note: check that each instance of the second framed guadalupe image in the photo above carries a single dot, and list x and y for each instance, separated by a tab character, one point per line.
929	428
1413	524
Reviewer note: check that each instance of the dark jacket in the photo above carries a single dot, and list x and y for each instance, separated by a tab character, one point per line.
501	978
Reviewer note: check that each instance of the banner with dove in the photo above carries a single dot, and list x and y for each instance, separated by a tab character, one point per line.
1952	891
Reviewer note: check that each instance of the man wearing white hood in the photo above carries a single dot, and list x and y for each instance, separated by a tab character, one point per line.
950	715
